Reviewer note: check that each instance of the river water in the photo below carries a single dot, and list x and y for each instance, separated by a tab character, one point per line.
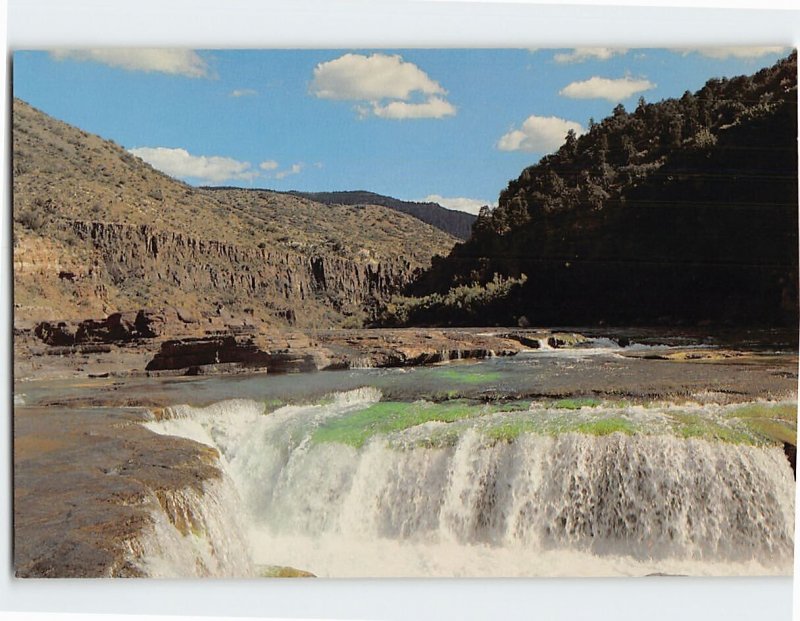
552	463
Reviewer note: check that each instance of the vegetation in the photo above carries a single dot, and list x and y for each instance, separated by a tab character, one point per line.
463	305
456	223
680	211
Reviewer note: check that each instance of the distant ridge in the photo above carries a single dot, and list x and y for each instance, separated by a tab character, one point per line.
456	223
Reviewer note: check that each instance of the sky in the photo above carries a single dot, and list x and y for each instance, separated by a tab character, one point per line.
449	125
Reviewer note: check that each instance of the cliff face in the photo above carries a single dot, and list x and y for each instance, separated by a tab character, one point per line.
279	279
97	230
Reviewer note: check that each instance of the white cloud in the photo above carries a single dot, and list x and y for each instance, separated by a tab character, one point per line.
540	134
294	169
209	169
736	52
268	165
582	54
171	61
606	88
244	92
470	205
386	87
379	76
434	108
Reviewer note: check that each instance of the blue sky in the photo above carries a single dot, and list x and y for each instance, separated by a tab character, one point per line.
454	125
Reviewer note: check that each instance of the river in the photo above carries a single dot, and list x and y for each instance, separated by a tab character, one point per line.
590	461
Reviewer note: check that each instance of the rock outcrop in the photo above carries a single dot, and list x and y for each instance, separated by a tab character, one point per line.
85	522
280	278
219	353
118	327
98	230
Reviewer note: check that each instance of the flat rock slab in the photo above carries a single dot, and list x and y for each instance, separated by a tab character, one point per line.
85	485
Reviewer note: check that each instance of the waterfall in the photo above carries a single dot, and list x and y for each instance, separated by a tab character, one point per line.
568	504
362	362
194	533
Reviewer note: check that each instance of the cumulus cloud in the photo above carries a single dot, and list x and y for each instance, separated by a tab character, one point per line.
244	92
379	76
434	108
457	203
268	165
539	134
606	88
722	53
294	169
385	85
208	169
183	62
582	54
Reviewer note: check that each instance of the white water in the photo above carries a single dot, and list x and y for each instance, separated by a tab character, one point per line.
568	505
195	534
594	347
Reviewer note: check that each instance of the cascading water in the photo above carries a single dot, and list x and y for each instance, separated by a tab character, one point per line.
538	504
194	533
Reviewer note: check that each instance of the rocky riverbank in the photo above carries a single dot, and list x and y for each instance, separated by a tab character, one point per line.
83	388
174	341
89	483
177	342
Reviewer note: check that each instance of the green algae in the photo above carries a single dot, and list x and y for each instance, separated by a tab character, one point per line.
510	430
770	422
753	424
691	425
576	403
270	405
389	416
468	375
607	426
785	411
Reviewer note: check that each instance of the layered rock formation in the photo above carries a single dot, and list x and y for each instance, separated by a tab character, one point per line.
96	230
283	280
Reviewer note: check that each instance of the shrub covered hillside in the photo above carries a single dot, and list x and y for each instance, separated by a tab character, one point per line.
455	223
679	212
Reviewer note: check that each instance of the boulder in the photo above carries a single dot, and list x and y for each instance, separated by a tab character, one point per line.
195	353
58	334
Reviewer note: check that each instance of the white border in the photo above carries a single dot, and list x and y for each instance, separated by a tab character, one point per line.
386	23
383	23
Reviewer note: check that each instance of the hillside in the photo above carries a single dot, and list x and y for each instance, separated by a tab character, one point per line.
456	223
680	212
98	230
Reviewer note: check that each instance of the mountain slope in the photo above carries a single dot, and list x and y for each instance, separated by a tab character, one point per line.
456	223
98	230
683	211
